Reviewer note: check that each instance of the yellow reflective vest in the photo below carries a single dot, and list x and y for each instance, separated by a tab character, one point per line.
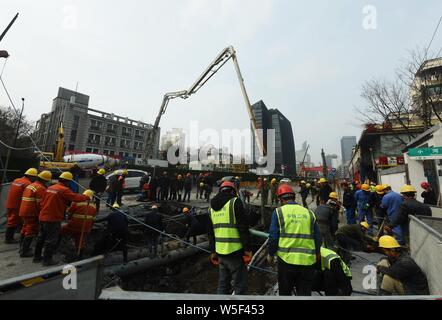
227	238
327	256
296	235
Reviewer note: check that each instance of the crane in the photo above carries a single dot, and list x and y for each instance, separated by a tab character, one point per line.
221	59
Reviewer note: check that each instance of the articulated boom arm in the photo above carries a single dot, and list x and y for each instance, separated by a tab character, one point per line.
222	58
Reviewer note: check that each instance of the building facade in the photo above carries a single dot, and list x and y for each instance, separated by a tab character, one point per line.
90	130
285	156
347	145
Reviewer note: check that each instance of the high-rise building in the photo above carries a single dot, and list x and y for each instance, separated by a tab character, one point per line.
285	156
91	130
347	144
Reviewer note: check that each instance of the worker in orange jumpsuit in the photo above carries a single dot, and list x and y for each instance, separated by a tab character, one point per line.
30	210
14	200
54	205
81	220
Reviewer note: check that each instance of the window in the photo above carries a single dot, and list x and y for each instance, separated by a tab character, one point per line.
136	174
110	142
121	154
96	125
138	145
89	150
73	136
127	132
112	153
139	155
71	147
76	121
112	128
106	152
126	154
125	144
95	151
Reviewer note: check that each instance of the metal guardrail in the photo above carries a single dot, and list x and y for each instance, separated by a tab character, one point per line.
48	284
426	249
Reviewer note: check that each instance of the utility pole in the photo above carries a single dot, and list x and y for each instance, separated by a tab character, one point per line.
324	164
5	169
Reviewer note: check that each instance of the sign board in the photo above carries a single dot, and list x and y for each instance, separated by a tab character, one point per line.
425	153
389	161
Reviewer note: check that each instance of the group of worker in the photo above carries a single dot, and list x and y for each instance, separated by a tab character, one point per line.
266	188
301	243
38	208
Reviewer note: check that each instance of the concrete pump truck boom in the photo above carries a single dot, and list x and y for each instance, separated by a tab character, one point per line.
223	57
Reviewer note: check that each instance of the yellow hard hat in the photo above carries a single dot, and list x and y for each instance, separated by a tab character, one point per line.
116	206
237	178
302	182
101	172
125	172
202	184
185	210
45	175
388	242
308	185
333	195
407	188
322	180
365	187
380	189
89	193
66	176
365	224
31	172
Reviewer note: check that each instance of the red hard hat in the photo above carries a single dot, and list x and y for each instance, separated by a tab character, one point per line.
285	189
227	184
425	185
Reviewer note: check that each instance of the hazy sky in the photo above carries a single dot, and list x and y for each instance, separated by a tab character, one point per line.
306	58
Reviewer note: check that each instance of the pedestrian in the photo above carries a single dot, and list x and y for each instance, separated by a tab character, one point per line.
173	187
180	187
400	274
192	225
265	191
229	240
208	186
13	202
165	187
353	237
30	210
81	217
349	203
324	191
274	191
410	206
428	194
259	187
363	201
75	186
98	185
155	221
187	187
335	276
199	180
327	218
55	202
294	237
121	185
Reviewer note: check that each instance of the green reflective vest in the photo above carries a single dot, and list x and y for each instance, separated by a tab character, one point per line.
296	235
327	256
227	238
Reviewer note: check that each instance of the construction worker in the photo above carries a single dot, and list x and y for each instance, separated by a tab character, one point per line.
410	206
399	272
353	237
13	202
208	186
391	201
259	187
29	211
237	183
98	185
155	221
304	193
81	217
53	207
363	200
327	218
199	179
116	234
265	191
274	190
121	184
335	278
324	191
294	237
379	212
192	225
428	194
229	239
187	187
349	203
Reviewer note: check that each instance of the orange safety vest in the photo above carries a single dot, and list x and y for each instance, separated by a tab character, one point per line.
31	199
16	192
82	213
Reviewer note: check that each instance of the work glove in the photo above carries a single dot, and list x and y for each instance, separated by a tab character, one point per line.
214	260
247	257
387	230
271	260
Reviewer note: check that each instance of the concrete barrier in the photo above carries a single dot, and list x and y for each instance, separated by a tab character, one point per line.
426	249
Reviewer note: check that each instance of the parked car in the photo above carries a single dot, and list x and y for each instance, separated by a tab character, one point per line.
132	181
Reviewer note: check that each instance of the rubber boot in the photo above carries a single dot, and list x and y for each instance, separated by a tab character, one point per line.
26	251
9	235
22	237
47	258
37	253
